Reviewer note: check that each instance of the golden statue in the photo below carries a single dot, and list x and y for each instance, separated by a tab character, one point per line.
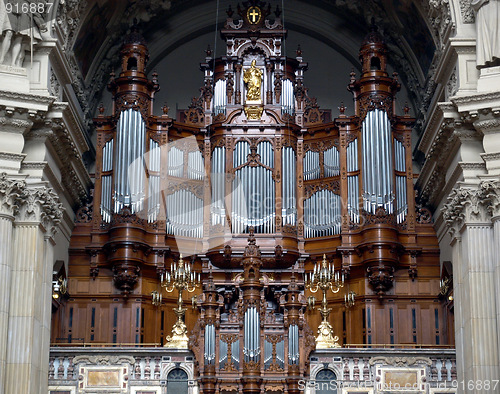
253	78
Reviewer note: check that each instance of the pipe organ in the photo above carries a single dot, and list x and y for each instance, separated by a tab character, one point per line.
254	183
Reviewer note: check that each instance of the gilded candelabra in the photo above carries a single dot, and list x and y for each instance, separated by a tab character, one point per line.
325	277
181	277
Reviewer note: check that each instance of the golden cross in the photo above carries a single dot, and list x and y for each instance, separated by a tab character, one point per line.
254	14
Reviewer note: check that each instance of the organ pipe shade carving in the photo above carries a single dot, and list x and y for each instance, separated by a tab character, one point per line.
353	181
378	188
287	97
129	165
322	214
209	344
184	214
220	97
289	170
106	191
253	189
217	208
400	166
251	348
154	181
293	344
311	165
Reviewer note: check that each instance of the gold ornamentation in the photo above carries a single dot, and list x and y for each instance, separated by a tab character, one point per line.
325	277
180	277
254	112
253	78
254	15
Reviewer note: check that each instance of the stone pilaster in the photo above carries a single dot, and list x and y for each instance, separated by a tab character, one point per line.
29	304
9	192
469	222
490	128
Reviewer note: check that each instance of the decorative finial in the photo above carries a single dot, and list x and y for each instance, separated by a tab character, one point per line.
165	109
395	76
277	12
299	51
112	74
155	77
342	108
208	51
251	236
230	11
353	76
101	109
406	110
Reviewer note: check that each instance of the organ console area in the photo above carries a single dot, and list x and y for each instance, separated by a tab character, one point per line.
253	184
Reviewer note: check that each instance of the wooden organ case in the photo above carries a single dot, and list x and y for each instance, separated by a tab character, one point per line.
255	184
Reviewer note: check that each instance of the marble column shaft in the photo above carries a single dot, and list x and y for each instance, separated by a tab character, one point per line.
5	276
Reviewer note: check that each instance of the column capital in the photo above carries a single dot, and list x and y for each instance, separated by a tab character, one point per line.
466	205
492	190
40	205
11	191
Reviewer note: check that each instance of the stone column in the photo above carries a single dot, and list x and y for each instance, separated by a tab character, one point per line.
470	225
9	190
29	306
492	190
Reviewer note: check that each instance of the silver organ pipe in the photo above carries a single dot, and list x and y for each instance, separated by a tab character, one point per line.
154	181
176	162
106	184
235	353
293	344
130	172
377	162
222	354
184	214
280	354
209	354
331	162
253	196
322	214
251	348
220	97
311	165
289	197
195	167
268	354
400	166
287	97
217	208
353	181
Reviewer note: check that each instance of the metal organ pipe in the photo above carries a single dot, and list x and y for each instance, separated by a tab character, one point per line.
293	344
378	188
401	193
352	181
217	209
322	214
220	97
106	183
289	170
130	173
184	214
195	168
176	162
311	165
210	344
154	181
287	97
331	162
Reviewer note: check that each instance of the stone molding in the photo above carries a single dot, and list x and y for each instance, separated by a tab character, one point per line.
25	204
103	360
401	361
487	126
